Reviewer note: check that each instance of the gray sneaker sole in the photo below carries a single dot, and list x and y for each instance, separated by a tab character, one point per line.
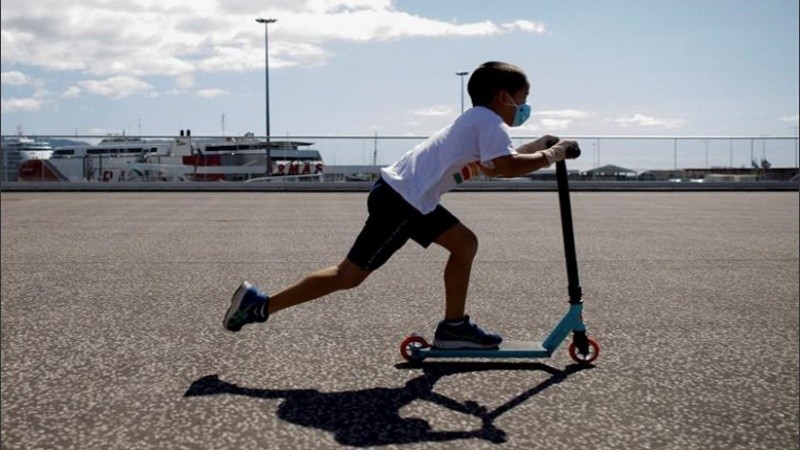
236	301
453	345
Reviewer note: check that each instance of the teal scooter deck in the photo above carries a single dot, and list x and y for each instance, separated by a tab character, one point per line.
509	349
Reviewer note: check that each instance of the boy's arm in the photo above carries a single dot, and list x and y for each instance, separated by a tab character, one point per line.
520	164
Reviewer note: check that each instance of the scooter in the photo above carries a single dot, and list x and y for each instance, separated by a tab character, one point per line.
582	349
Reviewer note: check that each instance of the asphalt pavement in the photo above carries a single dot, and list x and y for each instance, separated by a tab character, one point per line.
112	306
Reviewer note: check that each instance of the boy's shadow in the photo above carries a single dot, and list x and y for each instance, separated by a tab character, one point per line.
371	417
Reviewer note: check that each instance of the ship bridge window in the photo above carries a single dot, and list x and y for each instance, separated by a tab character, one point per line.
117	151
231	148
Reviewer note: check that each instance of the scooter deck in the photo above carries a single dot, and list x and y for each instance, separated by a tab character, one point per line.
507	349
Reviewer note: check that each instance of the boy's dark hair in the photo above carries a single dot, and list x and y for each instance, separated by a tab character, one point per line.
492	77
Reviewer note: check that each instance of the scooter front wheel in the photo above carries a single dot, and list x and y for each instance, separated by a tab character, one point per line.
587	358
409	343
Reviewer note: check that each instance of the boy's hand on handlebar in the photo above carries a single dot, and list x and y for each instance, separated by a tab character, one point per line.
562	150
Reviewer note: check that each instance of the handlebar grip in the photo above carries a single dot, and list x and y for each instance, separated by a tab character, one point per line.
573	151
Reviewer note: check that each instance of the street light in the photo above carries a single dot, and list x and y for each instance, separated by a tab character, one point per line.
266	23
462	75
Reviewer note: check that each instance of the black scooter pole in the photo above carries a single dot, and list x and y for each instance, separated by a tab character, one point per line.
578	336
575	292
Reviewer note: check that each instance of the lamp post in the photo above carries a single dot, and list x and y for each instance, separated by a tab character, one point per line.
266	23
795	147
462	75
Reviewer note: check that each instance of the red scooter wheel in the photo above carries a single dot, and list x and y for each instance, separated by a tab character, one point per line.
580	358
412	342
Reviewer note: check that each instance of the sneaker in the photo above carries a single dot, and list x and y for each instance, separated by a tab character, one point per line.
248	305
465	335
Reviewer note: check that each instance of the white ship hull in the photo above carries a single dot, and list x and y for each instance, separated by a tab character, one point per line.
184	159
15	152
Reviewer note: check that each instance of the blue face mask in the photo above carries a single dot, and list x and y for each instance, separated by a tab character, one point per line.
522	114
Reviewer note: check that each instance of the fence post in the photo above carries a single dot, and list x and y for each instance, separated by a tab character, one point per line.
675	154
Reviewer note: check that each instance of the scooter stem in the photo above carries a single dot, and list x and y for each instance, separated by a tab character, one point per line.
575	292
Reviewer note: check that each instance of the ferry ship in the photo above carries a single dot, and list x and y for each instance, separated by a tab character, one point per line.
125	158
15	151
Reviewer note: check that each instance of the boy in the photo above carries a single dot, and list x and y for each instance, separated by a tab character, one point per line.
404	204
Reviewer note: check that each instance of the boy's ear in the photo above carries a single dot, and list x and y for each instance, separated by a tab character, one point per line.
500	98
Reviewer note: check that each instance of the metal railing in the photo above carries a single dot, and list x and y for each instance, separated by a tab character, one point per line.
636	155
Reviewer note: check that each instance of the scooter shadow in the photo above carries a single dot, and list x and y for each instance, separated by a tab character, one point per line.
371	417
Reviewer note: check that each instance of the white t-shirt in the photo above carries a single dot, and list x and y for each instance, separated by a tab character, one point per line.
441	162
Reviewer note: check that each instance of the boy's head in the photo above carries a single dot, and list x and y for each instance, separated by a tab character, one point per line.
500	87
491	78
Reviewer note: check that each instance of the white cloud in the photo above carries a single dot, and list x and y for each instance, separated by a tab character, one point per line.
646	121
564	114
434	111
14	78
526	26
115	87
552	121
211	93
34	102
791	119
184	81
116	44
177	38
12	105
374	25
546	125
310	6
556	124
72	92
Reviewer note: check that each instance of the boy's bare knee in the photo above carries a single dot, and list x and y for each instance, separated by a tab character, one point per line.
349	281
350	275
460	241
467	245
472	244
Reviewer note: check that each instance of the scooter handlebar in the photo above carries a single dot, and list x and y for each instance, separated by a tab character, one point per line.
573	151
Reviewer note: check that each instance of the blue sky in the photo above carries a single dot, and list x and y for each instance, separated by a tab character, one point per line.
356	67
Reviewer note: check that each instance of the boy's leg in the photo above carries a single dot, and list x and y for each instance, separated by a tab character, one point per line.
385	231
249	304
462	244
458	330
345	275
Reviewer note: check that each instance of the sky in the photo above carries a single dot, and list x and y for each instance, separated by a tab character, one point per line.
361	67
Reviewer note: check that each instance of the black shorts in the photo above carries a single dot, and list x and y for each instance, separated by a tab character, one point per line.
391	222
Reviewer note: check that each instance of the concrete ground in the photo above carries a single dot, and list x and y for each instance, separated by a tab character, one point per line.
112	306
